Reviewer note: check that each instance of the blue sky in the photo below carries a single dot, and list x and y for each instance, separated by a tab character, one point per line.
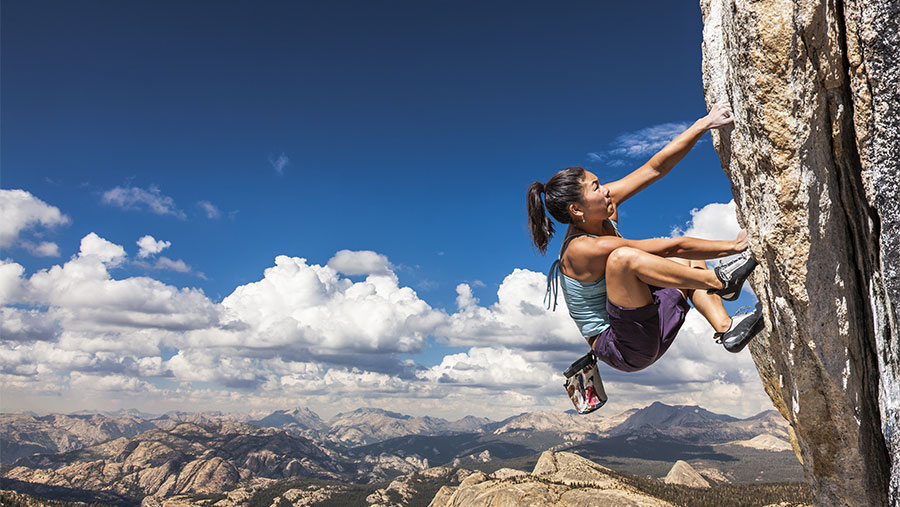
241	131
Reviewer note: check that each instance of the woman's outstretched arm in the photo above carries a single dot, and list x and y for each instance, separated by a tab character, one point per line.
663	161
684	247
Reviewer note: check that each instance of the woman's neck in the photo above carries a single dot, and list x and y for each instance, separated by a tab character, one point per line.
603	228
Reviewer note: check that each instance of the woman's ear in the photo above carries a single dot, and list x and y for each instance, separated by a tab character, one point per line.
576	213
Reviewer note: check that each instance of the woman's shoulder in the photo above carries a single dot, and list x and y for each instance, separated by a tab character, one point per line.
593	245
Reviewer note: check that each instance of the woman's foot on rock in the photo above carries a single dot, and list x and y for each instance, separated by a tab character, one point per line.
733	275
739	335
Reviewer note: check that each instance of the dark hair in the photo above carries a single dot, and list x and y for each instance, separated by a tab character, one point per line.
563	189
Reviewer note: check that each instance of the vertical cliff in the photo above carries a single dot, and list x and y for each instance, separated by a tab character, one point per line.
814	161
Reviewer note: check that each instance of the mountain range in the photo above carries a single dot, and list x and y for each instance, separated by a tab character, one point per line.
132	456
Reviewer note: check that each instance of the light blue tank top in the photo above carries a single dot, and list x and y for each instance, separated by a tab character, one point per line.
586	300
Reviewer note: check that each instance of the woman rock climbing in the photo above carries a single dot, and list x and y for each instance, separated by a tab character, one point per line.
629	297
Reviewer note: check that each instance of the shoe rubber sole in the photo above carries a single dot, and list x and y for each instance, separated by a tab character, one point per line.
744	338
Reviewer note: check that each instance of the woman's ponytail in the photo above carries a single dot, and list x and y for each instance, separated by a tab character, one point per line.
540	224
563	189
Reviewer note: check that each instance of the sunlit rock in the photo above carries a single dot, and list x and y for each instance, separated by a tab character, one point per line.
814	162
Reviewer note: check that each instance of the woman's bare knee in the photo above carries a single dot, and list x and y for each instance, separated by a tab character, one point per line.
623	257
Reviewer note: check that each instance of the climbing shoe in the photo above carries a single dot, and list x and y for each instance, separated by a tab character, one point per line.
732	275
739	335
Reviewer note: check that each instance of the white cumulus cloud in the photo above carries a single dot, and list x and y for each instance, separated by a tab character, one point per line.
517	320
713	221
107	383
11	287
464	297
311	306
495	368
21	211
717	221
107	252
362	262
150	246
26	325
83	291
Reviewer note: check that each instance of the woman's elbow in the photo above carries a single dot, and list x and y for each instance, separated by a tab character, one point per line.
676	249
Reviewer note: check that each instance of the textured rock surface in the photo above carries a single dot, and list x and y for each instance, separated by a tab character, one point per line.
559	478
374	468
403	489
683	473
765	443
813	159
714	475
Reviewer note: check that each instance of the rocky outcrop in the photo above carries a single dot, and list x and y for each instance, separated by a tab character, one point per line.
403	489
238	497
814	161
573	426
374	468
714	475
14	498
558	478
683	473
765	443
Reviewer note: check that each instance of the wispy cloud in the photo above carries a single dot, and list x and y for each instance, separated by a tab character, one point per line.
164	263
279	163
210	209
173	265
42	249
136	198
638	144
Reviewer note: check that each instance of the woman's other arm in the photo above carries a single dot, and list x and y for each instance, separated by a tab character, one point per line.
663	161
683	247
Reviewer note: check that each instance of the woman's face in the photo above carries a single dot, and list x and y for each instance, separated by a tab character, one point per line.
596	204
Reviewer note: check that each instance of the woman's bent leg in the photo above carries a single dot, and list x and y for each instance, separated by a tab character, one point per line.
710	305
629	271
687	293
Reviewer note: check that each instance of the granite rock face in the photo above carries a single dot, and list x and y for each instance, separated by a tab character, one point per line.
558	478
814	162
683	473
